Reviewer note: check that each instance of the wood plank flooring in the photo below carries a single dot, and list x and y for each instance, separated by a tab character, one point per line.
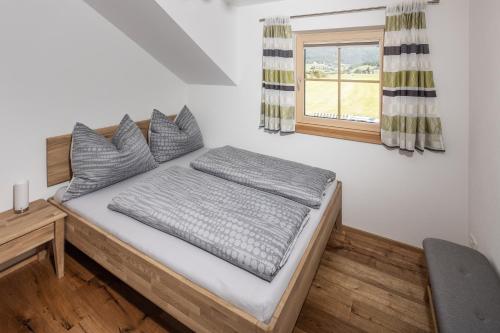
364	284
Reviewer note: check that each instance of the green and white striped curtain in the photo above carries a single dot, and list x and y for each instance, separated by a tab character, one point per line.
409	117
278	76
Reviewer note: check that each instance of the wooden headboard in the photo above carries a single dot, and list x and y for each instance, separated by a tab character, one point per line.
58	152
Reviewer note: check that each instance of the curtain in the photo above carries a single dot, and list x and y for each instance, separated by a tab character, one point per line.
278	76
410	118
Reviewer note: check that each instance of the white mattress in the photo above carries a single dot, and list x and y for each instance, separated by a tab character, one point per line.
246	291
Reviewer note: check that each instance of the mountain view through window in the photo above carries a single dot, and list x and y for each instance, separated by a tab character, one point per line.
342	82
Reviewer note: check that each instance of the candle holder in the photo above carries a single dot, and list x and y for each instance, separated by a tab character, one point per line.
20	211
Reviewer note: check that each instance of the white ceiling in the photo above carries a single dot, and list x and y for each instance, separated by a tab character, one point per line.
146	23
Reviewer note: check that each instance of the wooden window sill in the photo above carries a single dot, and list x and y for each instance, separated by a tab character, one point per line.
339	133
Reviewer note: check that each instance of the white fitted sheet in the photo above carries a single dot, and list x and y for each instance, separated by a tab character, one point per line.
246	291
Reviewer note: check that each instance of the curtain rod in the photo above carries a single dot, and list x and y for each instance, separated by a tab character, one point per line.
347	11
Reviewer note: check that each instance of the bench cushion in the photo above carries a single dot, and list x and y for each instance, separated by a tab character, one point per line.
465	288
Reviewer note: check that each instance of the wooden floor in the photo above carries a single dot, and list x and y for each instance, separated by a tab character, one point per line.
364	284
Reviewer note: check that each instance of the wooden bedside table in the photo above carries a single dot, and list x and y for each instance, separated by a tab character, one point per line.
20	233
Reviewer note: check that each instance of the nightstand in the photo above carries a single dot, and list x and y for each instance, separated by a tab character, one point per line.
20	233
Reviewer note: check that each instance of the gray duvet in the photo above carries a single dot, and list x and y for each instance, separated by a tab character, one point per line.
249	228
295	181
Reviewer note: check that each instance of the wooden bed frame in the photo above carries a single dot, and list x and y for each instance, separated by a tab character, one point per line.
194	306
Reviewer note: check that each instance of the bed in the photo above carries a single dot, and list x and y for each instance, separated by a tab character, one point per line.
205	293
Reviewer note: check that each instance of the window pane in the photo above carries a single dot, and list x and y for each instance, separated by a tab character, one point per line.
360	62
360	101
321	98
321	92
321	62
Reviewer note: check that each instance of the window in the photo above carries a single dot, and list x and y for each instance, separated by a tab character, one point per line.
339	83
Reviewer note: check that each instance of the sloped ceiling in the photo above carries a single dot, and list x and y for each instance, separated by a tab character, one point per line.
147	23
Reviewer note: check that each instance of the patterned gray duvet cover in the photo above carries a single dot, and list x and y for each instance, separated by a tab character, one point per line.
249	228
299	182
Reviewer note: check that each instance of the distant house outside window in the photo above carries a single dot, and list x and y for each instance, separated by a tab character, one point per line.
339	83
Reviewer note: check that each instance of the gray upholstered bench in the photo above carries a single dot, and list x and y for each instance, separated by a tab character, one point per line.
464	286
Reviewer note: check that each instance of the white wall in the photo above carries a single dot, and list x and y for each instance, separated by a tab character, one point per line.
61	62
210	23
484	175
385	192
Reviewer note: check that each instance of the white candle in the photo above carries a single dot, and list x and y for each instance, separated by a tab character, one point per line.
21	196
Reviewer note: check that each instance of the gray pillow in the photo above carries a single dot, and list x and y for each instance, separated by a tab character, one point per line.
170	139
98	162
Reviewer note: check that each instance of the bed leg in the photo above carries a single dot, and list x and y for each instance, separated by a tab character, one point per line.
338	222
337	228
